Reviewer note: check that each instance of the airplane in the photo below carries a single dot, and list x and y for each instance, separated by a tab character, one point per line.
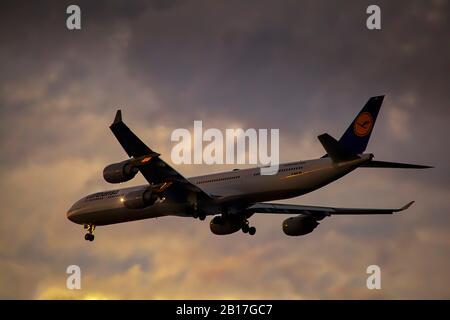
231	197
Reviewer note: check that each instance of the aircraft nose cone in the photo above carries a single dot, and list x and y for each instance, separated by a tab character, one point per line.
69	215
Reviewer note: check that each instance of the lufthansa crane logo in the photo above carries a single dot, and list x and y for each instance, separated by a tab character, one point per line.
363	124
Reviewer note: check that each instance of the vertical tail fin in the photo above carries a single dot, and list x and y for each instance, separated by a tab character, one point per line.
357	135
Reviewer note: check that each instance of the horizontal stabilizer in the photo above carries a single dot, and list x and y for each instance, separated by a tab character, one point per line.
386	164
335	150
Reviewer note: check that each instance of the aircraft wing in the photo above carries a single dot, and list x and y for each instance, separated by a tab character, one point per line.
153	168
319	212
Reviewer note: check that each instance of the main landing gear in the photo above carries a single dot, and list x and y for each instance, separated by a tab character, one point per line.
247	229
90	235
200	216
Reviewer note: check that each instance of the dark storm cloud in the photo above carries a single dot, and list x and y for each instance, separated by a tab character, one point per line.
258	60
261	54
304	67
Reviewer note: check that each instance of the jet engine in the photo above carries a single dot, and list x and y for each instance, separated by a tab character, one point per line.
300	225
139	199
226	225
119	172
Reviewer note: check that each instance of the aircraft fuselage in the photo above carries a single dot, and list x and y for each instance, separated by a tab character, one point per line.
231	190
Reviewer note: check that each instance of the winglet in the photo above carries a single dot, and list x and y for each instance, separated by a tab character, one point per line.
406	206
118	117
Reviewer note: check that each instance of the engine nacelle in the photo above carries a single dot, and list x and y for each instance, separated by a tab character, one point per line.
119	172
300	225
222	226
139	199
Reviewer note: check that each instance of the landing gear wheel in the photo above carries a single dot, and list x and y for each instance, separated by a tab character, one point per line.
90	229
89	237
245	228
251	231
202	217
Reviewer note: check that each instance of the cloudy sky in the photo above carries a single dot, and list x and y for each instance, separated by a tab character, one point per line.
305	67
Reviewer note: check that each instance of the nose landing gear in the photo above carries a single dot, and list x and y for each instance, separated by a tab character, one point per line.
90	235
247	229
